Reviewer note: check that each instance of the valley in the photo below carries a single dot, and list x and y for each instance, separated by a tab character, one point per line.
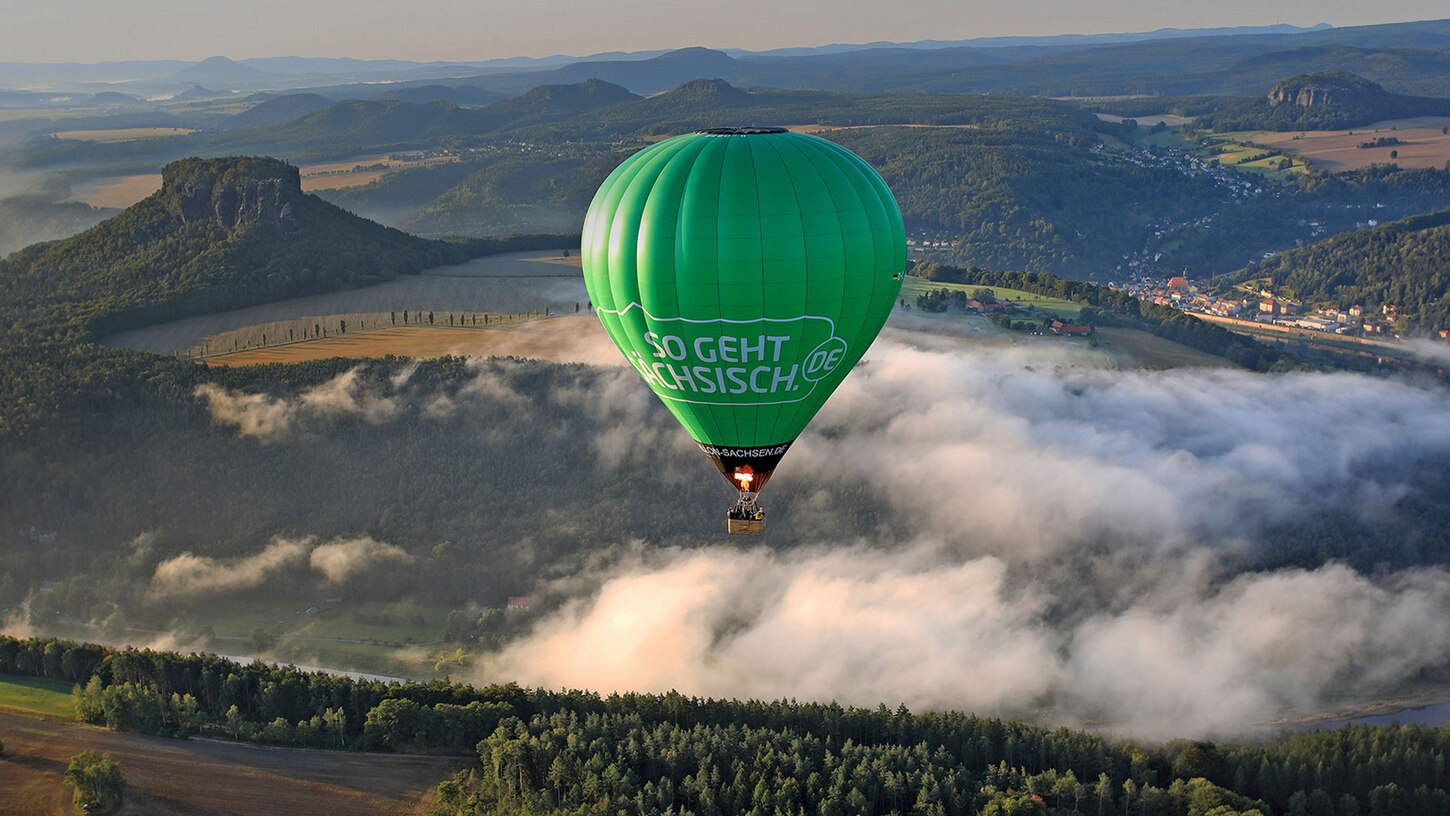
324	489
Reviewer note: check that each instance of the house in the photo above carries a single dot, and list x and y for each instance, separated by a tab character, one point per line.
1078	331
520	604
1356	310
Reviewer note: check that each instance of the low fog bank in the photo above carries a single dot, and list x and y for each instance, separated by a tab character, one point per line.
1070	543
1007	529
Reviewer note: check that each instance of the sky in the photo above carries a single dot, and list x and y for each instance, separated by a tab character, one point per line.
97	30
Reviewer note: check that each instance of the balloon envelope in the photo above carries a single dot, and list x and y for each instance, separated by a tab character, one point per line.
743	272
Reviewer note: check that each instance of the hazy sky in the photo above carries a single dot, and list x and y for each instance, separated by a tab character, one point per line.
98	30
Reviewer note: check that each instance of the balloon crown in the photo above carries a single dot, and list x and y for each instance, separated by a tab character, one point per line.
741	131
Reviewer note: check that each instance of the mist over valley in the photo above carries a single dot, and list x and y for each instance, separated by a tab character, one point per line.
316	433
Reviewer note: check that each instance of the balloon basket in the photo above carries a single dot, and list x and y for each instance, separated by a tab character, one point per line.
746	526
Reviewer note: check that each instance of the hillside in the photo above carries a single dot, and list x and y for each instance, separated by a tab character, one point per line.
1326	100
1404	263
279	110
221	233
25	220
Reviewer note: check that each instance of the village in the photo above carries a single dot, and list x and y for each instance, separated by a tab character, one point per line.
1257	301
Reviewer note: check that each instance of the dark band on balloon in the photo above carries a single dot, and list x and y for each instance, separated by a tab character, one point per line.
760	459
741	131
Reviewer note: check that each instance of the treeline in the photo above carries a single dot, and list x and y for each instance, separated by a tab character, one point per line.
643	754
1404	263
1105	306
938	764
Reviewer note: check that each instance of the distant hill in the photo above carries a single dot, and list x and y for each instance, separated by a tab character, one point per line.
26	220
220	72
219	234
462	95
645	76
553	102
196	92
1405	263
1325	100
278	110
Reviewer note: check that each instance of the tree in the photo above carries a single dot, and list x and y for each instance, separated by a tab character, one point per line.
1105	792
97	780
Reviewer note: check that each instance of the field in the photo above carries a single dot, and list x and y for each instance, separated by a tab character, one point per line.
1120	347
116	191
123	191
32	694
516	283
1169	119
361	170
121	134
560	339
914	286
1134	348
166	777
1422	144
1234	150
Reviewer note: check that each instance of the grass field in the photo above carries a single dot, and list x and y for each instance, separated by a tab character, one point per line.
913	286
107	136
170	777
41	696
1134	348
1247	157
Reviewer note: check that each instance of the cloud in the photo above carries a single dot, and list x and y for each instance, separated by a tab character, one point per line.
865	625
1063	541
189	575
340	559
274	419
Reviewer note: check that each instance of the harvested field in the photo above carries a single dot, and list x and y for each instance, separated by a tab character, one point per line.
516	283
362	170
167	777
336	181
570	339
116	191
106	136
1421	144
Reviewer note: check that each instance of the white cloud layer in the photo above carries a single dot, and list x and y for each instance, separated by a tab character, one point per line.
1071	541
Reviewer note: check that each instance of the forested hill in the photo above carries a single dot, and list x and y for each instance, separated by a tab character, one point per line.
1404	263
219	234
1325	100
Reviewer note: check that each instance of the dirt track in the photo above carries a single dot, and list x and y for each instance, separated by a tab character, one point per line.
166	777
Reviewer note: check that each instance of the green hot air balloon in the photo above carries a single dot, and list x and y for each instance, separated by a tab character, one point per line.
743	272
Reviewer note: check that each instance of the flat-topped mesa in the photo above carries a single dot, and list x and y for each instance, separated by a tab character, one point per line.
1327	88
234	191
